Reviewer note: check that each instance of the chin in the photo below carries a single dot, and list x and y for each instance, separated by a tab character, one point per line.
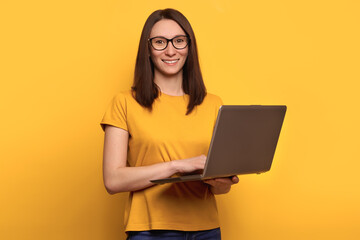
170	73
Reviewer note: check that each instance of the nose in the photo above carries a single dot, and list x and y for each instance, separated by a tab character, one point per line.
170	50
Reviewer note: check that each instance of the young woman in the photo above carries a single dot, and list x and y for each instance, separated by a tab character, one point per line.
162	127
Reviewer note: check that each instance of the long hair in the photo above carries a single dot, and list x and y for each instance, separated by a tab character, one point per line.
145	91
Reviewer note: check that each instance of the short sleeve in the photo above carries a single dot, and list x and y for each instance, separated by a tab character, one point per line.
115	115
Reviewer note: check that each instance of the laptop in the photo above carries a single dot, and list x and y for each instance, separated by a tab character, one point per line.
243	142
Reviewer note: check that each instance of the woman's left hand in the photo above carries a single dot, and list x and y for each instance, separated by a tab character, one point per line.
221	185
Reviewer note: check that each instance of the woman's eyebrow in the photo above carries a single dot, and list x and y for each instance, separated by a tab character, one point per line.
178	35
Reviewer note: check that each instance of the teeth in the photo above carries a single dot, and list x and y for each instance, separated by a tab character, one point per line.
174	61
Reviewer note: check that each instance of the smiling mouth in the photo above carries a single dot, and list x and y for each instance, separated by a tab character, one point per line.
170	61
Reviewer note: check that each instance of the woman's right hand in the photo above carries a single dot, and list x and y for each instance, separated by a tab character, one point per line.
118	177
190	164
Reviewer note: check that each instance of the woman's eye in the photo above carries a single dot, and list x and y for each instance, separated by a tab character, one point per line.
159	41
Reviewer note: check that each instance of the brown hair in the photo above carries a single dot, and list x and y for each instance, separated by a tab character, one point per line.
145	91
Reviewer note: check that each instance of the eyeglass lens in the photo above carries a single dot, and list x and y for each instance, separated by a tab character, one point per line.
160	43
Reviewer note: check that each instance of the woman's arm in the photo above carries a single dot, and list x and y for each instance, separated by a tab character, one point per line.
221	185
120	178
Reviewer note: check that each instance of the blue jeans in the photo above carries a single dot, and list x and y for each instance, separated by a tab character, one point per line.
213	234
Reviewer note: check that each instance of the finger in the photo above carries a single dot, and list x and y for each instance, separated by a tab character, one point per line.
210	182
235	179
223	180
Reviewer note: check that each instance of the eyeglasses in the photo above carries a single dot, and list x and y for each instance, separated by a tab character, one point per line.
160	43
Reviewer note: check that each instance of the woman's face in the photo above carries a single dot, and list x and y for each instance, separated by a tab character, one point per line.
170	61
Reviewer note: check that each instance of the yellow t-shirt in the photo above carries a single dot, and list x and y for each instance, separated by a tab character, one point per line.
166	133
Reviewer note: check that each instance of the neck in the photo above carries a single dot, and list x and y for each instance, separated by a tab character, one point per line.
171	85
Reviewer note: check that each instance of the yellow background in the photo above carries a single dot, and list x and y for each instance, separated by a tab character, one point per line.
62	62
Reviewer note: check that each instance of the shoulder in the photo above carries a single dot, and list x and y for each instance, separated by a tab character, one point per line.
125	95
117	111
213	99
124	98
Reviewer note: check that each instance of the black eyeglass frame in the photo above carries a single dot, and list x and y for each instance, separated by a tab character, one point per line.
170	40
